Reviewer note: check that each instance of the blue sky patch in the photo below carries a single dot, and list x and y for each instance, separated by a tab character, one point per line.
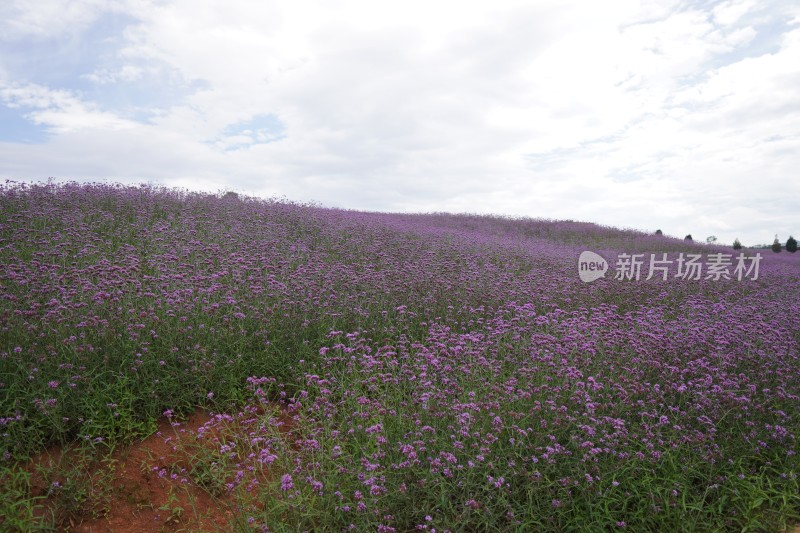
15	128
766	41
62	62
260	129
88	65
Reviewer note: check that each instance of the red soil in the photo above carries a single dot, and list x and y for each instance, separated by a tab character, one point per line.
138	491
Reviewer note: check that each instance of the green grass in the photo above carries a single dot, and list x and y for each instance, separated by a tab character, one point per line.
467	340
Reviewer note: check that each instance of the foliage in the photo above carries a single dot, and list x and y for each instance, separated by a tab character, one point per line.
18	506
791	244
393	372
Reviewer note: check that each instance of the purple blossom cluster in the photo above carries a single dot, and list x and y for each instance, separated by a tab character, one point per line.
434	368
589	393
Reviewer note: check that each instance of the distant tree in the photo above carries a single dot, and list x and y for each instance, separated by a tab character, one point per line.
737	245
659	232
791	244
230	195
711	239
688	237
776	246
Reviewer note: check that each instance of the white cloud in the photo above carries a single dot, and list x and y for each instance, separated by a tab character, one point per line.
59	110
124	74
730	12
48	19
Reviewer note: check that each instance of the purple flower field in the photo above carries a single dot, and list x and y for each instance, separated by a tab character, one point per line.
441	372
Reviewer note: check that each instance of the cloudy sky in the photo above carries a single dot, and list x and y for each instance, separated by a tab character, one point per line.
678	115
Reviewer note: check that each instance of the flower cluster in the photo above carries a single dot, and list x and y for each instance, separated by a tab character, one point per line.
414	371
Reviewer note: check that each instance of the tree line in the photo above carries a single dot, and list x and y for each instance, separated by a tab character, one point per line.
791	243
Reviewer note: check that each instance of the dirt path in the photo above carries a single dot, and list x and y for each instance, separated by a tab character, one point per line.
142	501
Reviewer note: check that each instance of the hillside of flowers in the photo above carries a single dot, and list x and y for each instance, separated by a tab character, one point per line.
388	372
